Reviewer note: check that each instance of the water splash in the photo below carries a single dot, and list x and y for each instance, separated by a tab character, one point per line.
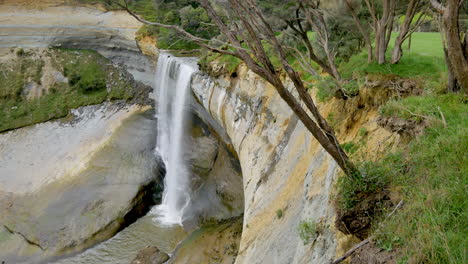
173	78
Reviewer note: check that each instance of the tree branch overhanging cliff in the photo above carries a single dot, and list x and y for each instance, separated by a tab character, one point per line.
248	27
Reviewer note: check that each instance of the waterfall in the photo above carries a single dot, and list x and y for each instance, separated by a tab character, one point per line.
173	78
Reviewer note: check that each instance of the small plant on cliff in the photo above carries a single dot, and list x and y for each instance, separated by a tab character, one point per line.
279	213
307	231
350	147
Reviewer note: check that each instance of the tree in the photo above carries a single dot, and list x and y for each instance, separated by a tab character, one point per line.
246	30
407	28
455	43
383	14
365	33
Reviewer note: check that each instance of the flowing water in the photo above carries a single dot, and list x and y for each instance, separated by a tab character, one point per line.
123	247
173	78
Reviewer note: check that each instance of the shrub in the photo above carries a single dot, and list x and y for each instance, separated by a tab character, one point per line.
350	147
86	77
363	132
20	52
307	231
279	213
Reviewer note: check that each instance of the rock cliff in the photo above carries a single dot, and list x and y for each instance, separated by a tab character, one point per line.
288	178
42	24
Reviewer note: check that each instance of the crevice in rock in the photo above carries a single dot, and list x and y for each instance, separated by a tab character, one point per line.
276	155
29	241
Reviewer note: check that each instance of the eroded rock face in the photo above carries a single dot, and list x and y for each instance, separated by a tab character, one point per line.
211	244
66	186
283	168
217	191
56	23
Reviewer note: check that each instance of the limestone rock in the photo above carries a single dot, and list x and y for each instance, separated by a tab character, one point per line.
150	255
59	181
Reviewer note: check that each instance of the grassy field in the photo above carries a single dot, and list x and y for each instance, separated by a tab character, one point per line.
425	58
423	43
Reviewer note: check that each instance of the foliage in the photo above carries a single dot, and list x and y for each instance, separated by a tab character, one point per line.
279	213
88	75
307	230
345	39
186	13
326	87
429	175
409	66
363	132
375	177
350	147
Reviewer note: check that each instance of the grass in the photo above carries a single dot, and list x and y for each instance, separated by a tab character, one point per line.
425	59
429	175
432	226
88	75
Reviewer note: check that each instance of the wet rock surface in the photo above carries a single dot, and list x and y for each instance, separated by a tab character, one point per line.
215	243
94	197
150	255
217	191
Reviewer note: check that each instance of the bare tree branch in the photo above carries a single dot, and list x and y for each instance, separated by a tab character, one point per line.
253	31
438	6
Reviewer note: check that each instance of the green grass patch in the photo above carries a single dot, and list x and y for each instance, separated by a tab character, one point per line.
429	175
350	147
88	75
425	59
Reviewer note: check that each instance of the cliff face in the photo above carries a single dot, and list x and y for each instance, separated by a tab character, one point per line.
287	176
284	169
41	24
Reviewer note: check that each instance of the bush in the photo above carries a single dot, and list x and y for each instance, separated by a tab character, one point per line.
307	231
279	213
375	176
350	147
86	78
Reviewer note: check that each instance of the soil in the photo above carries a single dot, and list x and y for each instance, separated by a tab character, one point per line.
372	254
404	127
358	220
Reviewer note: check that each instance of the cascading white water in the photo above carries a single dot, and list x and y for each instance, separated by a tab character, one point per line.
173	78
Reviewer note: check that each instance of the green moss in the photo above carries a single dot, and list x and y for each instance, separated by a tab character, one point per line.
88	72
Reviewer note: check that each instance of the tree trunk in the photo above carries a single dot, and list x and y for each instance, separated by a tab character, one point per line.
381	49
384	30
455	50
452	83
409	42
397	52
363	32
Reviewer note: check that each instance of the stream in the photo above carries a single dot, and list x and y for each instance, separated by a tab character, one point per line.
162	226
122	248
